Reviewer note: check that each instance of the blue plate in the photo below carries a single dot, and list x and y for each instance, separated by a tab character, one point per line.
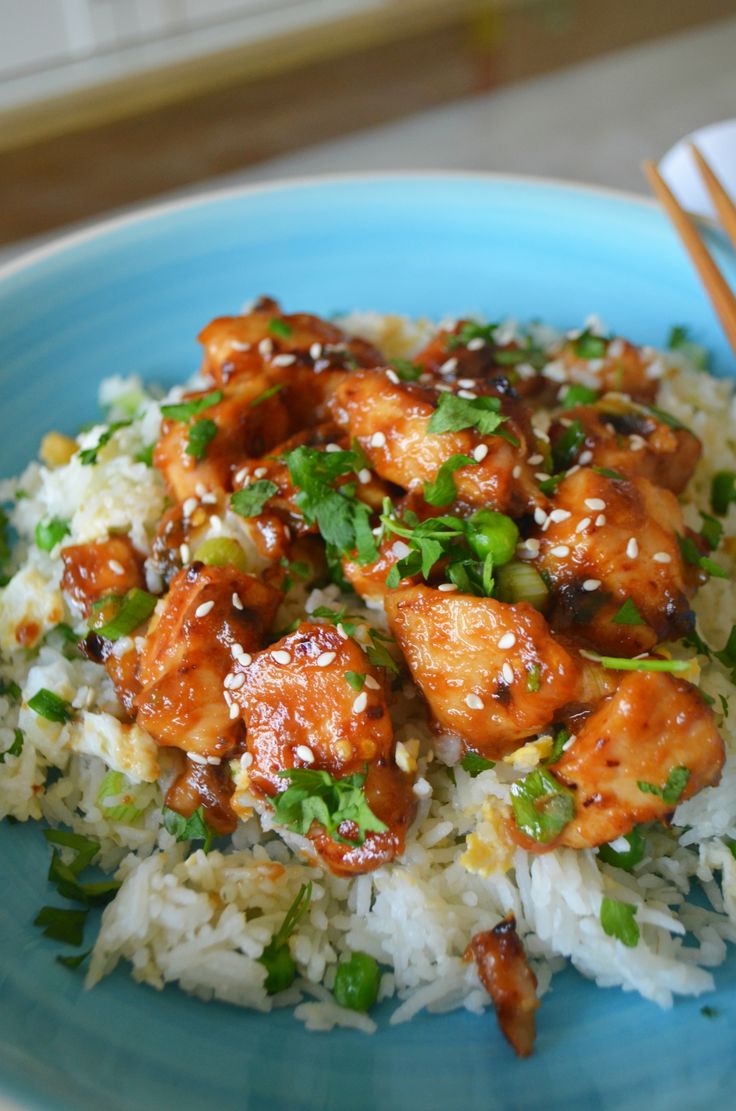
131	296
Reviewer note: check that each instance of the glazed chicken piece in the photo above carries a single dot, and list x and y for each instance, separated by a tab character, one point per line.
607	543
612	366
471	352
180	532
209	616
264	338
102	567
491	672
243	429
505	973
390	422
300	711
628	439
653	725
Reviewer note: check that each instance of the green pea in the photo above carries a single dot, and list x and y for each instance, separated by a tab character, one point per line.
492	534
280	968
356	982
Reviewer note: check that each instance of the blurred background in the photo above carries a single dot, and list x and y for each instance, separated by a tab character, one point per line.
105	104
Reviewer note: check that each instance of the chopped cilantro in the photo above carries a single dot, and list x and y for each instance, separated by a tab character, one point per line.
628	614
468	331
50	706
251	500
566	448
542	805
561	737
50	533
185	410
62	925
627	858
15	748
473	763
276	958
279	327
454	413
201	433
145	455
589	346
89	455
355	680
270	392
619	920
677	781
193	828
378	654
315	796
442	491
722	491
343	520
578	395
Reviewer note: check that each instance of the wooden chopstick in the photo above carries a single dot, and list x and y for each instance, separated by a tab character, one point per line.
724	206
721	297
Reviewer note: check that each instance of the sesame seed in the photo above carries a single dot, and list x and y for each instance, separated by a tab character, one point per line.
265	348
473	702
237	681
209	499
540	434
422	789
662	557
341	630
475	343
586	457
332	447
115	567
378	439
560	550
284	360
204	609
364	476
392	377
539	515
315	351
234	711
582	525
596	504
572	470
558	515
325	658
304	753
260	472
507	672
542	476
449	366
227	682
568	744
189	506
467	394
636	442
239	476
237	602
246	759
200	489
591	584
467	383
281	656
196	758
215	760
632	548
447	588
372	684
600	520
516	473
184	553
479	453
535	460
360	703
215	523
508	640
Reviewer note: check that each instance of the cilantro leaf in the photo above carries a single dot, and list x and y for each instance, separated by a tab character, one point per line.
473	763
677	781
619	920
628	614
628	858
15	748
200	434
542	805
315	796
442	490
276	958
279	327
355	679
145	455
468	331
193	828
454	413
185	410
567	446
578	395
89	455
406	370
251	500
589	346
342	519
50	533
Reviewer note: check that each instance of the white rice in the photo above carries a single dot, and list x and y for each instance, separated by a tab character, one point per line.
202	921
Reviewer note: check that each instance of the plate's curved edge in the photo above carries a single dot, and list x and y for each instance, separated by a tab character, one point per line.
144	213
